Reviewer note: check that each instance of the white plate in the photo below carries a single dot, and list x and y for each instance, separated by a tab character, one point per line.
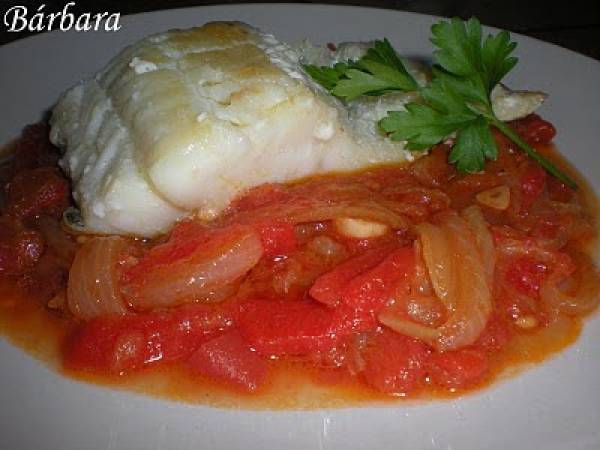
554	406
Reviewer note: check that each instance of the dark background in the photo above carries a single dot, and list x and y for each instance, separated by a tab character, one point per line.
573	24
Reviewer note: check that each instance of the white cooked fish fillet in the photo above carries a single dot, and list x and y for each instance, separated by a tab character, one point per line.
186	120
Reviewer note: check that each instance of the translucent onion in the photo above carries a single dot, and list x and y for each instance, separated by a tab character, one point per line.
421	285
525	247
454	257
408	327
221	261
574	224
426	310
93	279
415	316
319	210
473	298
483	239
437	254
586	295
364	210
218	295
416	201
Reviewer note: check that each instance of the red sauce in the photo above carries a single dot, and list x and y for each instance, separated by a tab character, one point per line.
310	280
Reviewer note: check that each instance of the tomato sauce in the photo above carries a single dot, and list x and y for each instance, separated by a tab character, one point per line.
301	328
291	384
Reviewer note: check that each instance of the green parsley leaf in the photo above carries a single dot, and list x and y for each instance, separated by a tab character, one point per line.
444	112
328	77
456	103
423	126
495	60
459	46
378	72
461	52
470	92
384	53
476	135
371	78
458	99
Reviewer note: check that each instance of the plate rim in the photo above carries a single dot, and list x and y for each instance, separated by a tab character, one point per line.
316	5
165	404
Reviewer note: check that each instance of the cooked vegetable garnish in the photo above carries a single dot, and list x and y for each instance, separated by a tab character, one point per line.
457	101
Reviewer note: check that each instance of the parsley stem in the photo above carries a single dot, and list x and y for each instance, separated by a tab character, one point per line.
545	163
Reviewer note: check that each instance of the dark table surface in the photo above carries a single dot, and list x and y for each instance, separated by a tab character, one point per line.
573	24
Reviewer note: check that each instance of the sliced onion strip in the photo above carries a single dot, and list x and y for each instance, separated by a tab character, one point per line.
221	261
438	258
323	202
483	239
93	288
454	253
407	327
473	303
421	285
586	296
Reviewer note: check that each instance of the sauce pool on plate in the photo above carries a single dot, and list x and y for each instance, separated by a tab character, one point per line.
412	282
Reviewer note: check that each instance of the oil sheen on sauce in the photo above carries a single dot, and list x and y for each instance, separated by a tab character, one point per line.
35	329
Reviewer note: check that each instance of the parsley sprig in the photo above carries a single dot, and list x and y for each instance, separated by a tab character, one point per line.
378	72
457	101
